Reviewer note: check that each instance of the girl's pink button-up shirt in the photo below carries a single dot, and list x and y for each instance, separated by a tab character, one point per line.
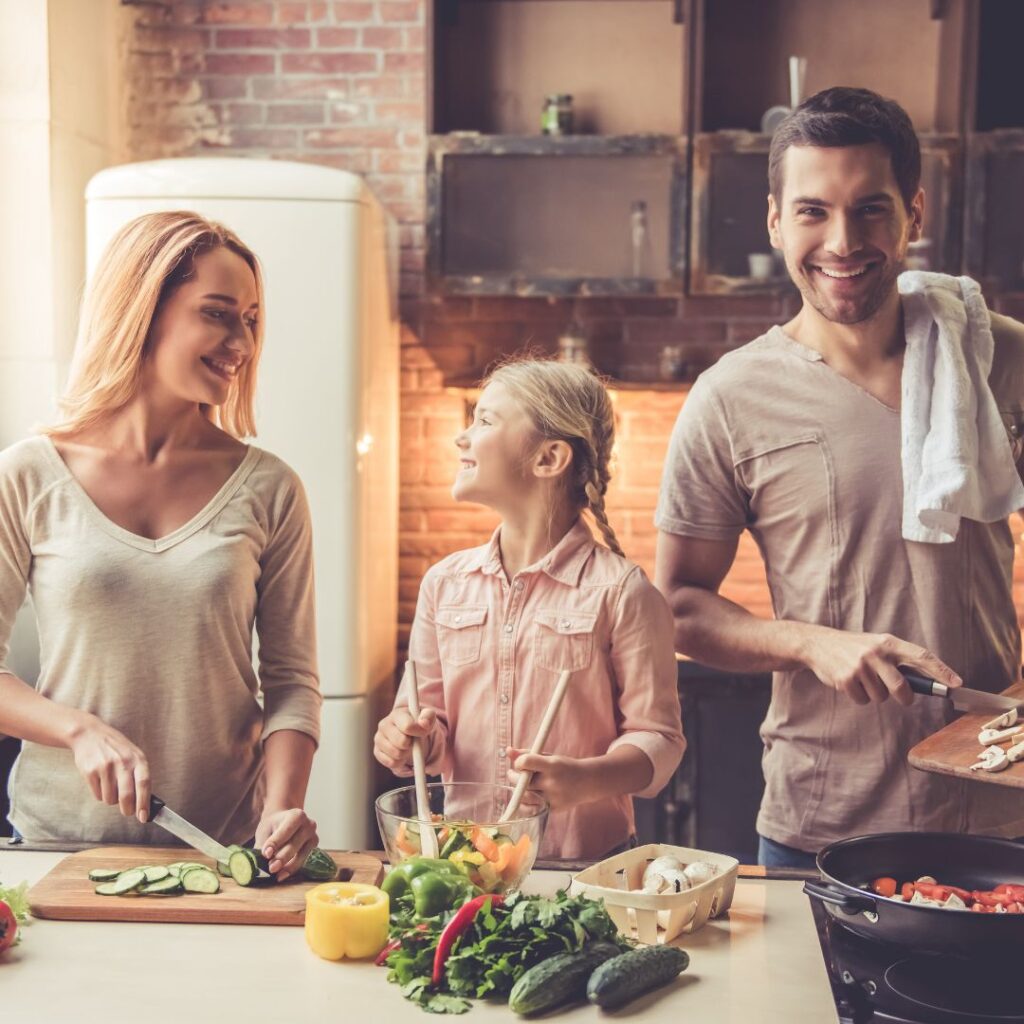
488	652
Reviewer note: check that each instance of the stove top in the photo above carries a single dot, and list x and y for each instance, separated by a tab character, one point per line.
876	983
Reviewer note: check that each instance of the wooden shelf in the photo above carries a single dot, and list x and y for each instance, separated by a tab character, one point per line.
470	388
536	215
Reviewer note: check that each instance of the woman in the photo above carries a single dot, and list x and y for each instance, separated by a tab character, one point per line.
152	540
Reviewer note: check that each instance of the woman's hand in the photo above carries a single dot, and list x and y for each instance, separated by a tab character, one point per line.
392	745
285	838
115	769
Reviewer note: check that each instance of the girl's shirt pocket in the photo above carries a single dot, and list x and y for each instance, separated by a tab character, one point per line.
460	632
564	639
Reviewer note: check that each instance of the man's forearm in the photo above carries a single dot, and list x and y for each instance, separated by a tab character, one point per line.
716	632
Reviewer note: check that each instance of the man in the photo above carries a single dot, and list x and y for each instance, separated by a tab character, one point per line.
797	437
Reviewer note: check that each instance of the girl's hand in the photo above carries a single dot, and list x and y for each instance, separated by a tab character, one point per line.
562	781
285	838
392	745
115	769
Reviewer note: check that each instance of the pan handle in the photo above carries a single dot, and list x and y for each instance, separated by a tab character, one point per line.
848	903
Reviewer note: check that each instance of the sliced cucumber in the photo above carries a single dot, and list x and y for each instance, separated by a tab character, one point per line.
456	841
168	886
242	866
104	874
319	866
128	880
223	869
156	873
106	889
200	879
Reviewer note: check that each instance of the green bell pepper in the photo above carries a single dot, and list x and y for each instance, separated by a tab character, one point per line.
397	881
435	892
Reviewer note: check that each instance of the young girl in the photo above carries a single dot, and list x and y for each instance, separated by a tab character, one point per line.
152	540
496	624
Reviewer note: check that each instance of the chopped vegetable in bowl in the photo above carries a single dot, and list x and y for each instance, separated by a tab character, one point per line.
493	857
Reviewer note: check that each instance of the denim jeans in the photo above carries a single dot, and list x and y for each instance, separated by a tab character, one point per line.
771	854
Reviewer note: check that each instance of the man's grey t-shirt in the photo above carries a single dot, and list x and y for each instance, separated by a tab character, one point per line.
773	440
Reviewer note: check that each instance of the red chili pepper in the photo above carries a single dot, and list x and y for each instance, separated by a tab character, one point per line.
8	927
383	955
907	891
463	918
1016	891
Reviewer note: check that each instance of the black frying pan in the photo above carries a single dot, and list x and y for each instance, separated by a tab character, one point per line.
970	862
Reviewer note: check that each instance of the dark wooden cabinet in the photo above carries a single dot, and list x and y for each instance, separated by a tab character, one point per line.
711	802
572	215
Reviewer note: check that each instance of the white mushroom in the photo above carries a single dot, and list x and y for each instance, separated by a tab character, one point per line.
918	900
1004	721
953	902
991	759
676	880
654	873
989	736
700	871
927	880
1016	752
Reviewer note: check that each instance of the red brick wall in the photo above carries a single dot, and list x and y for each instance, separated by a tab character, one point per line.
344	83
334	82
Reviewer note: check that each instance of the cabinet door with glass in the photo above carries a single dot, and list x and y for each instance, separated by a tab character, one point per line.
573	215
995	215
729	248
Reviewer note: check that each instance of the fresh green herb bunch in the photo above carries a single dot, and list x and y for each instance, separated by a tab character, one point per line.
503	942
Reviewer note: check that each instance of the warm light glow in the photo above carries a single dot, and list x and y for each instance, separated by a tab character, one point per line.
364	444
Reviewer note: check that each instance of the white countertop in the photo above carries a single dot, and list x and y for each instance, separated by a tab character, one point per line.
760	964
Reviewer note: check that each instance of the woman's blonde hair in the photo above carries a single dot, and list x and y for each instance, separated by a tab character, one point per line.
140	268
567	402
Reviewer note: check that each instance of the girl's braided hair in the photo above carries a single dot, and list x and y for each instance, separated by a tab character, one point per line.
567	402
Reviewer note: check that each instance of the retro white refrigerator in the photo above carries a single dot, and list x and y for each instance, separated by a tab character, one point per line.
327	403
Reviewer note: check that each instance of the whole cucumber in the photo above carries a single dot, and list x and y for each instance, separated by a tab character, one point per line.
619	981
558	980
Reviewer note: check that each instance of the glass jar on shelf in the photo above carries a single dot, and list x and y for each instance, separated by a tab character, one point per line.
556	116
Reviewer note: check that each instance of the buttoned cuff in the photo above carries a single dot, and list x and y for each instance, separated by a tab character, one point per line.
664	755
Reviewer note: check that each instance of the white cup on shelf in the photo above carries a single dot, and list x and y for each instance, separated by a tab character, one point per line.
762	265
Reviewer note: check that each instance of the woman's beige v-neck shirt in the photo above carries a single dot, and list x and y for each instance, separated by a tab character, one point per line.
154	637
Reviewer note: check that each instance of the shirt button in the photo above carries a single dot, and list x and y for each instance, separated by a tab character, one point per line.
508	627
566	623
504	698
458	618
519	584
502	751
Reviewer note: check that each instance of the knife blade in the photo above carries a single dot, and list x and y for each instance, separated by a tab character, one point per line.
160	814
973	702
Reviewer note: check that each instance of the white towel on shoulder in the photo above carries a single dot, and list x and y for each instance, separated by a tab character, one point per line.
956	456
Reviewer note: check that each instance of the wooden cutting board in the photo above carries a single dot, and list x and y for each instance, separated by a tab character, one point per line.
67	894
953	749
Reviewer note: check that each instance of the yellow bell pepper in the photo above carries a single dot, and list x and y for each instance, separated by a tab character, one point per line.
467	857
346	919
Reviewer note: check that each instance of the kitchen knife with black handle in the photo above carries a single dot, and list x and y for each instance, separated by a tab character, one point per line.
974	702
160	814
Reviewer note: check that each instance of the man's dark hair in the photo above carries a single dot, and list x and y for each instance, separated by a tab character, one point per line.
842	116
